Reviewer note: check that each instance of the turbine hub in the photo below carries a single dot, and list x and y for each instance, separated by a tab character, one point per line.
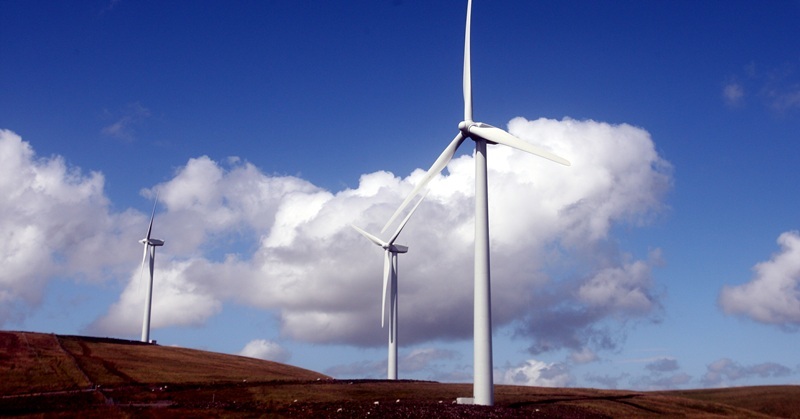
463	126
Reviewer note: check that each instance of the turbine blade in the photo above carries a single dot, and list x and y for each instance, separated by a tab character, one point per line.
152	262
467	67
372	238
152	217
437	167
405	220
141	271
387	261
499	136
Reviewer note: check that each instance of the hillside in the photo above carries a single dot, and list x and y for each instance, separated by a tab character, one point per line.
68	375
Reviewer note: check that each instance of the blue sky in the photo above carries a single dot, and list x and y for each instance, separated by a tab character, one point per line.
666	256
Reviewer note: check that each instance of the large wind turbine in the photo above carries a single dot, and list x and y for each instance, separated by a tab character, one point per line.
149	244
482	134
390	286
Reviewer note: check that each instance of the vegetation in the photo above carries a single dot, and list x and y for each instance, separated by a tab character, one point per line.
92	377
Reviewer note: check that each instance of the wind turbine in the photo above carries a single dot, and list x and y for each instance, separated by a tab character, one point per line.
482	134
390	286
149	244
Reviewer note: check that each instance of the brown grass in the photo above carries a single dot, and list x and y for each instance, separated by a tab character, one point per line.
71	376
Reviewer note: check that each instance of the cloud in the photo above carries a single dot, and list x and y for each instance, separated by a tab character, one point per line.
56	223
536	373
662	365
359	369
606	381
771	297
662	381
265	349
235	235
778	86
782	87
663	375
181	297
126	121
733	93
583	356
429	360
725	372
425	358
578	313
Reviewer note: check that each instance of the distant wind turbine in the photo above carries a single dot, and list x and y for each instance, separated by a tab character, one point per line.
390	286
482	134
149	244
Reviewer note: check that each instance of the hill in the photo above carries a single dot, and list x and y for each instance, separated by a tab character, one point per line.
57	375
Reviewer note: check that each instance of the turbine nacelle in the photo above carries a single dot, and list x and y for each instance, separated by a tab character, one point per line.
465	128
396	248
152	242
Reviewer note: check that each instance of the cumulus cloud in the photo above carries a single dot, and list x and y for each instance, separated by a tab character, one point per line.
235	235
725	372
773	295
576	313
536	373
56	223
265	349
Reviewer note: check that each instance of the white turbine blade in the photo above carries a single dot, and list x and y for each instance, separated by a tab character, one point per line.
437	167
387	261
150	227
372	238
152	262
152	217
497	135
141	271
405	220
467	67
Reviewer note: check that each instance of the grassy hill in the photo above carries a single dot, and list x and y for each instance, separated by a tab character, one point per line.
55	375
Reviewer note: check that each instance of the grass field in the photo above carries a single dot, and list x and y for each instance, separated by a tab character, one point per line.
54	376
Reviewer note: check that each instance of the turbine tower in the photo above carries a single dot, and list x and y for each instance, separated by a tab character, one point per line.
390	286
482	134
149	244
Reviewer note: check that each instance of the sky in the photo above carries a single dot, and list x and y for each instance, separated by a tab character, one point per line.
667	256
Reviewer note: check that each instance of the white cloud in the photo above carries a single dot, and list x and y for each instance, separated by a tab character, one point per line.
620	288
56	223
536	373
772	296
235	235
583	356
181	297
265	349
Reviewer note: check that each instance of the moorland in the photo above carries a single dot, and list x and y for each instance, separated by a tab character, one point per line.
47	375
